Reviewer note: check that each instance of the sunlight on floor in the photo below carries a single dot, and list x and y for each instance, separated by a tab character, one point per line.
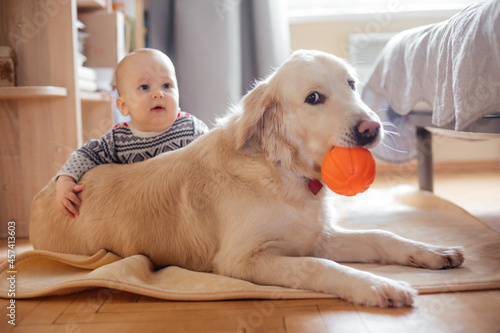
478	192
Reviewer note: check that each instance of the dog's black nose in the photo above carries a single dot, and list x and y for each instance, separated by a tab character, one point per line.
366	132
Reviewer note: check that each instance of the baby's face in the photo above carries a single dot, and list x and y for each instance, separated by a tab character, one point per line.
148	91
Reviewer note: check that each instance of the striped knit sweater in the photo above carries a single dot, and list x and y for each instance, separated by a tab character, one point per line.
124	144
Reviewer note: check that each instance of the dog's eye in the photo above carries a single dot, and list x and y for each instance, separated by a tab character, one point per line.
352	84
315	98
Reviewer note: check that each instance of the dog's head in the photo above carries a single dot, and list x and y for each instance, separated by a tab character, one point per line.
305	108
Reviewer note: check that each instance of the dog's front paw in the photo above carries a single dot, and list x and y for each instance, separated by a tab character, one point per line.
436	257
385	293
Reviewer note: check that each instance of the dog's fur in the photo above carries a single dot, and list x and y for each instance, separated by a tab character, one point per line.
236	201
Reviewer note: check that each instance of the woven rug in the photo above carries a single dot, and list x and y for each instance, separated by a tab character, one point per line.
404	210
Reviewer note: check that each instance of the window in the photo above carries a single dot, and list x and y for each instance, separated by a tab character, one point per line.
300	11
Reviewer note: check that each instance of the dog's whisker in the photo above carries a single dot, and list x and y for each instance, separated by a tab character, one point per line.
394	136
353	64
388	123
394	142
381	110
392	133
394	149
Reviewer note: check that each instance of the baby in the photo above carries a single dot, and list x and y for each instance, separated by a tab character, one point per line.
147	89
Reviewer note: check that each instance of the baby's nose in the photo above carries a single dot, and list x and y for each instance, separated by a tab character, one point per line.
158	93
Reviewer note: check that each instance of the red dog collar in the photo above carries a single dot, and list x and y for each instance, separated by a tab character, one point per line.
314	185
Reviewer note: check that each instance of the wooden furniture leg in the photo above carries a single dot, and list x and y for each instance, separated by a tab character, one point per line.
424	155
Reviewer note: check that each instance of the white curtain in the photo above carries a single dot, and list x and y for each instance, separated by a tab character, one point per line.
219	47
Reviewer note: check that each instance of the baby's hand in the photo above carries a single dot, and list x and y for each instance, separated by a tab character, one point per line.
66	197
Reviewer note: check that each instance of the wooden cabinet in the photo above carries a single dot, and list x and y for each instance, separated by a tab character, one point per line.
46	117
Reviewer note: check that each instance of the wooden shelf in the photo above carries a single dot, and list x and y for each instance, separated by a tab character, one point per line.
47	117
32	92
87	96
94	4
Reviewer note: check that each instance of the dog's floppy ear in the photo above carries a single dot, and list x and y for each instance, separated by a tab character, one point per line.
255	103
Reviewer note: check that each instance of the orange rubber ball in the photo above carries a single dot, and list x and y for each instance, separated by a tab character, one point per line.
348	171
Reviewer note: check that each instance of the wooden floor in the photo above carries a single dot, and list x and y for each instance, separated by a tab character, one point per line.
105	310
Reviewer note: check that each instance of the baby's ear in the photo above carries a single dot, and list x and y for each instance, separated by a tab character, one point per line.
120	104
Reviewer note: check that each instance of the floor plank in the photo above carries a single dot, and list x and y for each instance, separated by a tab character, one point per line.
162	305
47	311
127	327
445	313
381	320
23	310
309	320
341	316
191	320
89	301
122	297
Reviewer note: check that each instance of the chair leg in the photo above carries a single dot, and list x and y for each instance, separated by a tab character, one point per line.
424	155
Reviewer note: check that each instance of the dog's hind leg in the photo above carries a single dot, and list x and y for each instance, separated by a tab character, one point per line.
385	247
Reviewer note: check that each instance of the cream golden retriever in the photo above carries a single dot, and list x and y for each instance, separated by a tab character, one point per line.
236	202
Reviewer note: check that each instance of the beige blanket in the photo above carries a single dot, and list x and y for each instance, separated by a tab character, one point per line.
403	210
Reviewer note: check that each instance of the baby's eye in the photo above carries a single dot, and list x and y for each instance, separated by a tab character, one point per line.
143	87
167	86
